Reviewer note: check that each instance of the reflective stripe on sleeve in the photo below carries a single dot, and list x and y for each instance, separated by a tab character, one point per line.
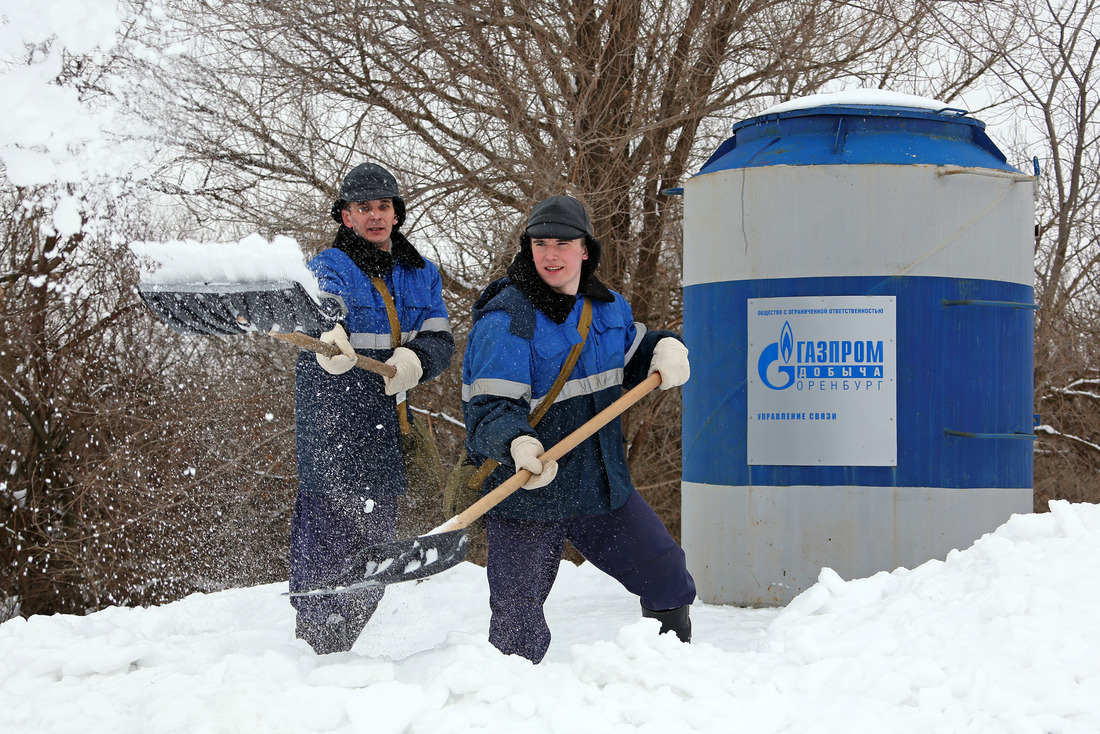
496	388
440	323
641	332
338	300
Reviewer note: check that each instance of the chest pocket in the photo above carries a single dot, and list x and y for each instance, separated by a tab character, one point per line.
413	309
550	343
367	308
367	314
551	349
412	294
609	339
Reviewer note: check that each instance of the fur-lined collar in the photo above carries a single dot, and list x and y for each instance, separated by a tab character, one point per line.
373	261
556	306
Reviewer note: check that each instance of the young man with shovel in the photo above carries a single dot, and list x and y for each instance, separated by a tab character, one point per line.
350	422
551	331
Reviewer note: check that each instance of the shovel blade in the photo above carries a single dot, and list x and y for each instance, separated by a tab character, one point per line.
397	561
227	309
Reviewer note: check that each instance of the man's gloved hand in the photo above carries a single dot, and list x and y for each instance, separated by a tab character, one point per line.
525	452
670	358
342	362
409	371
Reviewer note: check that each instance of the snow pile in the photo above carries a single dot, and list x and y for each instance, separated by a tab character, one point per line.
252	260
860	98
998	638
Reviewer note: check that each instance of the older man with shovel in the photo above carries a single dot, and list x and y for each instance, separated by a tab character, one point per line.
351	424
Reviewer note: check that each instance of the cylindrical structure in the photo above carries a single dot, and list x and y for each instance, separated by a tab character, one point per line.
859	307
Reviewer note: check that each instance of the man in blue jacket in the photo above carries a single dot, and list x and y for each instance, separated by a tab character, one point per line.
524	327
350	466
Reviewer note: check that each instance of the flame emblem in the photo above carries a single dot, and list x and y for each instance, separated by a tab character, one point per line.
786	342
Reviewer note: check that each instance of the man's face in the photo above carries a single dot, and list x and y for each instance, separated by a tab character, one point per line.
371	220
558	263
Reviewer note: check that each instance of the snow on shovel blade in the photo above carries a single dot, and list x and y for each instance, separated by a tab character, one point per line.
226	289
226	309
397	561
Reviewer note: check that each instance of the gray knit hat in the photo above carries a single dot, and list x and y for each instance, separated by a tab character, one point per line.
560	218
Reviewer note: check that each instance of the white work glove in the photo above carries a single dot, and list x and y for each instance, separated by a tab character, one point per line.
670	358
525	452
342	362
409	371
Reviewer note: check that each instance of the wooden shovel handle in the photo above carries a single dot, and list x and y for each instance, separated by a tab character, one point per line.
555	452
305	341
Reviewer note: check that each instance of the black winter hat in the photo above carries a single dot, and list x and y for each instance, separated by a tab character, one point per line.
559	217
368	182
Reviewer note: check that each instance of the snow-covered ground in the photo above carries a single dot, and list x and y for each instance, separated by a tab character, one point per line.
1002	637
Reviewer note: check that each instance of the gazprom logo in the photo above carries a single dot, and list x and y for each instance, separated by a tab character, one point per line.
783	349
825	364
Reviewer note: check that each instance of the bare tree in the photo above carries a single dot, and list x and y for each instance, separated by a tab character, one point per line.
1046	63
491	105
116	463
483	108
63	308
138	466
1058	82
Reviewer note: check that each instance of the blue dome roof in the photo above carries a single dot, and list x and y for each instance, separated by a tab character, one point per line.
847	134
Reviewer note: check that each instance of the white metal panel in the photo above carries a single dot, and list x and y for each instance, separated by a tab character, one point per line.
762	546
858	220
818	395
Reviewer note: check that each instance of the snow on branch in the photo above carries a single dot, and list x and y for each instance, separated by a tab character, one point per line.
1068	436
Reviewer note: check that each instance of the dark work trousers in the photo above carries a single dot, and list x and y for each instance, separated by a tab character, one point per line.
326	532
630	544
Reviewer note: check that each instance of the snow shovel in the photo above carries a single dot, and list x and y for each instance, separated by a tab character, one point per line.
226	289
445	546
280	309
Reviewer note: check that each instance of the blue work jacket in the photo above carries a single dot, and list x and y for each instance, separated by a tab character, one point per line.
513	356
348	438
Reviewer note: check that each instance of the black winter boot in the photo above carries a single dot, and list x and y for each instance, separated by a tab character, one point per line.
676	620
